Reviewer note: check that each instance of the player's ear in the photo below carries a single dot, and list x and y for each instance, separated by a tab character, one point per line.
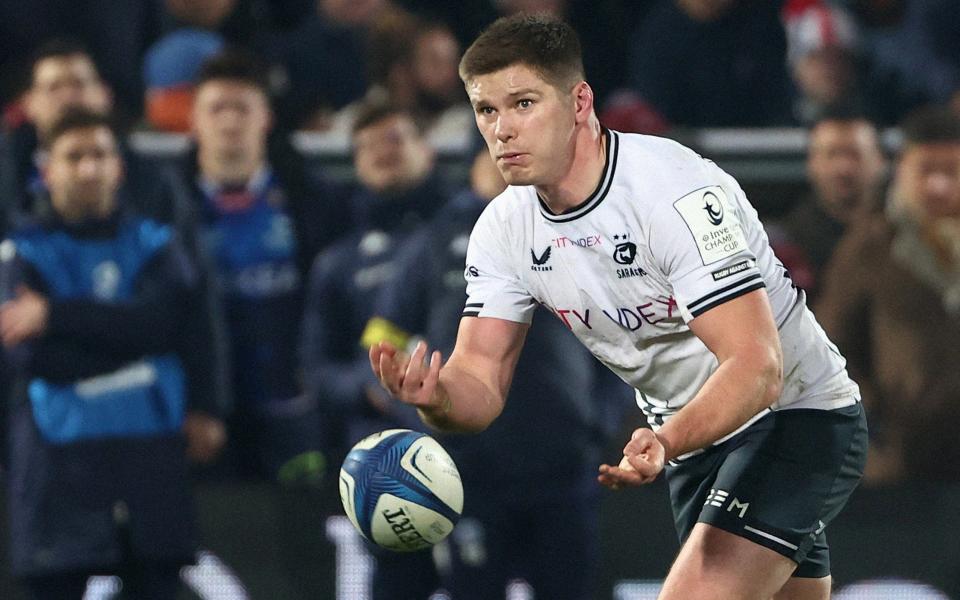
583	101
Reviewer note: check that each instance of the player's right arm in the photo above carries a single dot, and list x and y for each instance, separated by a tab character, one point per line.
468	392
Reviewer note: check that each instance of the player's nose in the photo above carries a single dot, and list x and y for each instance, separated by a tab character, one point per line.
505	129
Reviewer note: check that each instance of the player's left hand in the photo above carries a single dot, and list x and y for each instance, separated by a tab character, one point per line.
643	458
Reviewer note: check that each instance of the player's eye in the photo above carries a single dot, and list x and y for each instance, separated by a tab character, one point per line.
525	103
485	110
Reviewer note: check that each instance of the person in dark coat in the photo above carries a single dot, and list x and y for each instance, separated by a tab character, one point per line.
257	219
95	327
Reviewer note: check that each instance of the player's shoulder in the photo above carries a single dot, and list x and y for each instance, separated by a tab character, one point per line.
662	170
656	151
514	206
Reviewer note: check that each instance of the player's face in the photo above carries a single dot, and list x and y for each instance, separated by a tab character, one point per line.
231	119
82	172
64	82
928	179
845	165
528	124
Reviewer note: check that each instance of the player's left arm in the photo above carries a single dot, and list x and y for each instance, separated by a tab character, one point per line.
742	334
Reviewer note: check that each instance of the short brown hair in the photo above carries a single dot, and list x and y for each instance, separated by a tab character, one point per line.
60	49
546	44
931	125
235	64
372	112
77	118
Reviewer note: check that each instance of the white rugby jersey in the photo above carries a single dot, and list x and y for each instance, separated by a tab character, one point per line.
665	237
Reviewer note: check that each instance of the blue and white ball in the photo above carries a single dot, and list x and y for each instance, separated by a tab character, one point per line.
401	490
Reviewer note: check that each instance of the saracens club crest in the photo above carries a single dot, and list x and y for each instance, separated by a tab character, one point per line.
625	252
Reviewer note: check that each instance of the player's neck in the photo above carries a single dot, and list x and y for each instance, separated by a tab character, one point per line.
583	173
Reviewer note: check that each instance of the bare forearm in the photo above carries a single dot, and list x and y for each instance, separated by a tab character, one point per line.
462	402
735	392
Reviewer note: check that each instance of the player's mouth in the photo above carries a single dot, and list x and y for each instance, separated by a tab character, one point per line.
512	158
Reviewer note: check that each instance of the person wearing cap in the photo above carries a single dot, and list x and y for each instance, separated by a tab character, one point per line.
822	58
170	70
836	66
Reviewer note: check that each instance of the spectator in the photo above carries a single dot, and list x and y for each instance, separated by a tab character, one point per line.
413	66
116	34
822	57
324	61
891	301
398	190
170	70
549	538
709	63
63	77
846	170
910	48
95	324
261	220
204	14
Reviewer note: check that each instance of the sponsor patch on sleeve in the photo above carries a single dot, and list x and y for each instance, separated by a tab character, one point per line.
733	269
713	222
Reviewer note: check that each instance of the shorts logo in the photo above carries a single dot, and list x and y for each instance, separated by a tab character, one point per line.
719	498
716	498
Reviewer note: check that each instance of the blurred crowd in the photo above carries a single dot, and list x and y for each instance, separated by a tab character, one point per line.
216	309
654	64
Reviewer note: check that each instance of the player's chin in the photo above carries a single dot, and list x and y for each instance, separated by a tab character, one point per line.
516	176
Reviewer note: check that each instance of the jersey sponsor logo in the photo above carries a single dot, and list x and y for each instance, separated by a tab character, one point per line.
106	280
540	262
584	242
731	270
631	318
713	223
279	237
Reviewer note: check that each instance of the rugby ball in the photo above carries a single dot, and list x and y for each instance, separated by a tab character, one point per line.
401	490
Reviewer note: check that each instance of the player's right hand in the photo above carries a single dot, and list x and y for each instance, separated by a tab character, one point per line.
408	378
643	459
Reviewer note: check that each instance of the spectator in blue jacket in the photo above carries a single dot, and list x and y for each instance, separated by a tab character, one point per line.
260	221
95	325
548	538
